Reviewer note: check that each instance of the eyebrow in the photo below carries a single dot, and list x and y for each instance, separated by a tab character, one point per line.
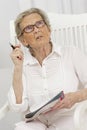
34	23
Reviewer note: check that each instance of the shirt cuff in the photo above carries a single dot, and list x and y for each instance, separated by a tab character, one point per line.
14	106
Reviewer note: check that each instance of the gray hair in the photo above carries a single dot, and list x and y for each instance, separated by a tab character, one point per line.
26	13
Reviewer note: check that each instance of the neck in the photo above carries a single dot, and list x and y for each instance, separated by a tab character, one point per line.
41	53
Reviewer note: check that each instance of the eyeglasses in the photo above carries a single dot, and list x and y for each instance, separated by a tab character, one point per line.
30	28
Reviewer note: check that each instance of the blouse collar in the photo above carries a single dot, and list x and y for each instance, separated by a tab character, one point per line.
29	59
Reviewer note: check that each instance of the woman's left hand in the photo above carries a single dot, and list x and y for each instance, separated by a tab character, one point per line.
69	100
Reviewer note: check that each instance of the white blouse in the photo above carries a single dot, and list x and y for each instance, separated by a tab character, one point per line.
64	69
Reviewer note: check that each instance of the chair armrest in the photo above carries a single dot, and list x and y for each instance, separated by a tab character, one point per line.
80	116
4	110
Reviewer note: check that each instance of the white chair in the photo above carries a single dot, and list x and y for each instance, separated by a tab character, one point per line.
66	30
70	29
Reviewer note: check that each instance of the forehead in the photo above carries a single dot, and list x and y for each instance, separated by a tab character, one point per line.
30	19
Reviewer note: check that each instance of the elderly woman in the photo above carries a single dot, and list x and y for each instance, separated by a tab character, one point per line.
42	71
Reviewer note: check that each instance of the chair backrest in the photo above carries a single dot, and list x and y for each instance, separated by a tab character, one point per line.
70	29
67	29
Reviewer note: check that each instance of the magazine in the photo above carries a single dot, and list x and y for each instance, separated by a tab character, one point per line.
46	107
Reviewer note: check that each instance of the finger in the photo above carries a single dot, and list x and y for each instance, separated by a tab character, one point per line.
58	105
17	50
15	46
17	56
17	53
48	111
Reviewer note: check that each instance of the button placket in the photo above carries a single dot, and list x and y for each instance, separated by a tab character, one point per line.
45	86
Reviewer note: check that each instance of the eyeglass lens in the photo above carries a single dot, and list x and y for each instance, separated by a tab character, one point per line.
30	28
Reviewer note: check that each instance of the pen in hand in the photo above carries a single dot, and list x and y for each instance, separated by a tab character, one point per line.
14	47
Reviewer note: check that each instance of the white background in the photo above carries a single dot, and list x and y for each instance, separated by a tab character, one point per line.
8	11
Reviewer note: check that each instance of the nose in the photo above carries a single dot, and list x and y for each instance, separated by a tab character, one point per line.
36	29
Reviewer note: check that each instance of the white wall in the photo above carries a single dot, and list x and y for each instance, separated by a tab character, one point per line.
8	11
59	6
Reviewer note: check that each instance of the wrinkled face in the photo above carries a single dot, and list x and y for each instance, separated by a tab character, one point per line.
37	35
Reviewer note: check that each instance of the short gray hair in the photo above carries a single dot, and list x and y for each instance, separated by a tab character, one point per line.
26	13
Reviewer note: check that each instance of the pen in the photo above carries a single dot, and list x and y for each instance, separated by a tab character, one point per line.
13	47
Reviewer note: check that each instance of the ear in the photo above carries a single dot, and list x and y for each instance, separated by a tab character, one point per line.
23	41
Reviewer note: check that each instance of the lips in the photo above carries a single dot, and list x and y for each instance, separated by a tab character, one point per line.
38	37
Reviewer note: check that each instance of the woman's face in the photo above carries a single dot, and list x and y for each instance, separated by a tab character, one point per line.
35	36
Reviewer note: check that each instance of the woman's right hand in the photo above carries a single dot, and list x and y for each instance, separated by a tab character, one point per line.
17	55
